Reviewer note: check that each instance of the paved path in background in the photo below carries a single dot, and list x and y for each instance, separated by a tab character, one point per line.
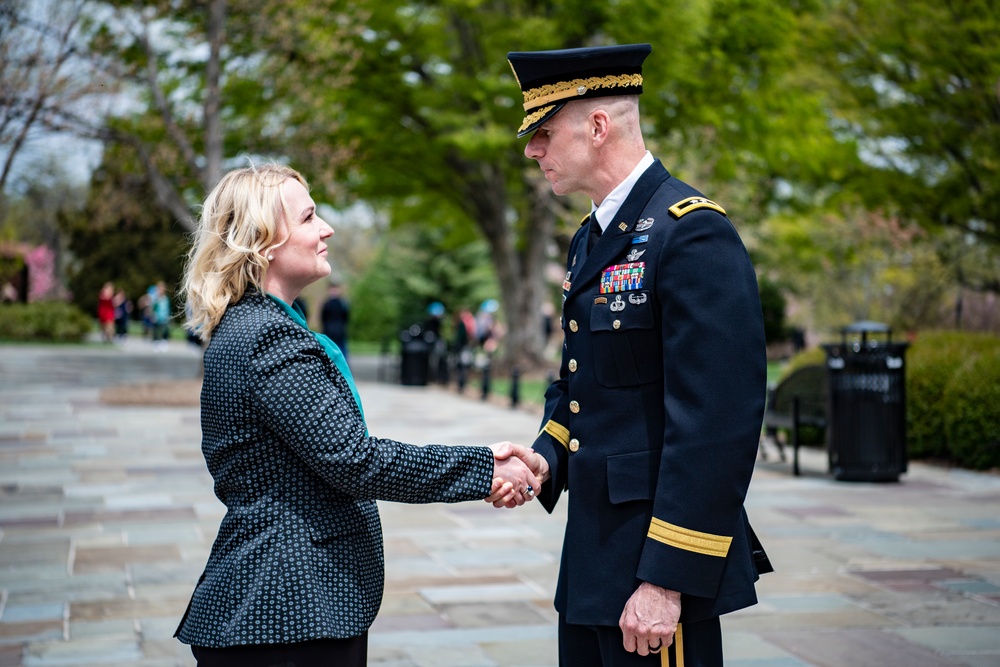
107	516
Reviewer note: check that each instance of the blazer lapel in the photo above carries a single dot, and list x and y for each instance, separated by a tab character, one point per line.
617	238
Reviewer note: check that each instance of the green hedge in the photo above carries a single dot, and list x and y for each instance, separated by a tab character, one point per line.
931	363
807	357
971	412
53	321
952	396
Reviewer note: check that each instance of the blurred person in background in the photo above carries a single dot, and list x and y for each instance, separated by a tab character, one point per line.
335	315
106	312
123	311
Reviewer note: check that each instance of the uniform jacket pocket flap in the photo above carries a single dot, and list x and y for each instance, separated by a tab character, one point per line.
333	524
622	313
632	476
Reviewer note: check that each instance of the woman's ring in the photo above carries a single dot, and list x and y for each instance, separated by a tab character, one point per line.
530	492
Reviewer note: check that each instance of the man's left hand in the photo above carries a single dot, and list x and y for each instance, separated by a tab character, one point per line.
650	619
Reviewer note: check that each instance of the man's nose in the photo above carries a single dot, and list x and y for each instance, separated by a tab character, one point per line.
532	150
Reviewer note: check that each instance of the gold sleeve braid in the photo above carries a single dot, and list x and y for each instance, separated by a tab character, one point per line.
689	540
557	431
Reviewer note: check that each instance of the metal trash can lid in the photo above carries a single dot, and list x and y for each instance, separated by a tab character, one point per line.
865	327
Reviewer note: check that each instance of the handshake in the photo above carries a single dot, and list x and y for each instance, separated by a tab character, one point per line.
518	474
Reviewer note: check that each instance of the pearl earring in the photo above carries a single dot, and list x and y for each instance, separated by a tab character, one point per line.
270	258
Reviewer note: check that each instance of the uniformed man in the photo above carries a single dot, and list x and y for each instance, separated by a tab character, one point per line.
652	426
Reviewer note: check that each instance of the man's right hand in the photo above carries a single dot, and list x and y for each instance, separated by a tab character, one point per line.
516	475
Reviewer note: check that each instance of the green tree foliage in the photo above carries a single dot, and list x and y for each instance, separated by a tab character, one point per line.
38	198
211	83
119	237
903	213
854	143
918	94
415	267
429	114
430	109
740	106
848	264
772	303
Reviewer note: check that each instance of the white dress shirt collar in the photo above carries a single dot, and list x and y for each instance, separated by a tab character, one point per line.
608	209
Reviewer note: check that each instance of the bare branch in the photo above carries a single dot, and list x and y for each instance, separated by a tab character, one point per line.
161	102
41	66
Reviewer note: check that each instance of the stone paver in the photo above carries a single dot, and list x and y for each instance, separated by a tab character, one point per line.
107	515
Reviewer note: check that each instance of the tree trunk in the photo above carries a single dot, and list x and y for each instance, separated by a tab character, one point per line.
213	94
520	268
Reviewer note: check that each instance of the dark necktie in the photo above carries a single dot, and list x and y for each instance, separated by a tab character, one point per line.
595	233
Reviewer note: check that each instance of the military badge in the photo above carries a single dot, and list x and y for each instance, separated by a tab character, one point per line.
622	277
634	255
643	225
640	239
617	305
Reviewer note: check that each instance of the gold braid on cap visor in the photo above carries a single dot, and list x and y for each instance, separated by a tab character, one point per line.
554	92
532	117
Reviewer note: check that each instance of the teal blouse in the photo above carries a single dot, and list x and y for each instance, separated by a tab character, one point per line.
329	346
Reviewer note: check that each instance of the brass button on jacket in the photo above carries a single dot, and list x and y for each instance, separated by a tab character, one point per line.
574	445
574	407
573	326
572	365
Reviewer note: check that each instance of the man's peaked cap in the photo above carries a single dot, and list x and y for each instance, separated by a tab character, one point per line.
550	79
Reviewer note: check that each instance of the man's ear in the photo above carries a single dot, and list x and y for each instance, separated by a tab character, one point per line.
600	127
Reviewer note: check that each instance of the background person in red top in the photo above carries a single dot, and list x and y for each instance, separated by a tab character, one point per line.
106	312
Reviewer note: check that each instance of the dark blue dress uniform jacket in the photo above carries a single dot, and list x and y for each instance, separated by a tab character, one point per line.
299	552
654	421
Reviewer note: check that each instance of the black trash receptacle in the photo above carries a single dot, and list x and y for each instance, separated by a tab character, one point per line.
415	357
866	381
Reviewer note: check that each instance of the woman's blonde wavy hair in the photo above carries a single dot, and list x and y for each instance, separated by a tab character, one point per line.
240	223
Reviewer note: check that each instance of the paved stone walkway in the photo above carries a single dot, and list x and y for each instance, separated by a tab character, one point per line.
107	515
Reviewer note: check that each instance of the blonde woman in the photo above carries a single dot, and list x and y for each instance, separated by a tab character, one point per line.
295	575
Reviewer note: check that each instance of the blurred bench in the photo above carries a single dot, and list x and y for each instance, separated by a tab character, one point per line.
798	400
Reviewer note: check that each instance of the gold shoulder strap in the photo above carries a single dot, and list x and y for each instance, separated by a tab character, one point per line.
685	206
